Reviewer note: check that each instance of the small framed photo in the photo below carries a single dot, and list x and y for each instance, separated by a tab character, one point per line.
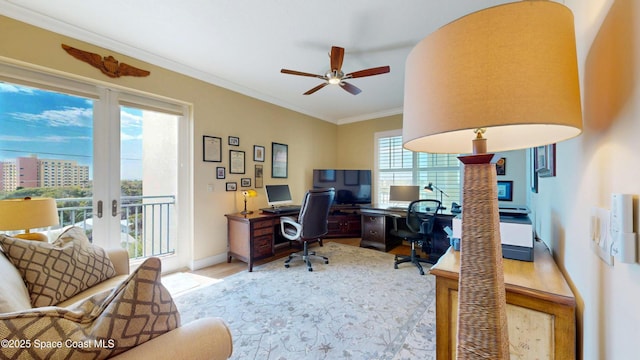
211	149
501	166
236	162
220	172
232	186
505	190
258	153
546	160
234	141
245	182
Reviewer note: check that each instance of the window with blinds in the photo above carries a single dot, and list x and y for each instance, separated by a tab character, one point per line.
398	166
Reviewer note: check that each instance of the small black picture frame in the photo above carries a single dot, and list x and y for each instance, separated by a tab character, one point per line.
232	186
245	182
501	166
505	190
220	172
258	176
234	141
211	148
258	153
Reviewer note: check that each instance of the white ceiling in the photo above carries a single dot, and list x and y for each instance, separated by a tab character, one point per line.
242	44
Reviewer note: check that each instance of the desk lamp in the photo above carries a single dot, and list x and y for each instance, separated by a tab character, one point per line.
245	195
432	188
28	213
508	77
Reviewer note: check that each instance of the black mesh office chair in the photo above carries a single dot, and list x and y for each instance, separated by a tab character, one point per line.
421	216
311	224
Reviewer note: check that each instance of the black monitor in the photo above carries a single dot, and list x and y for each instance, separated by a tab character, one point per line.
278	195
404	193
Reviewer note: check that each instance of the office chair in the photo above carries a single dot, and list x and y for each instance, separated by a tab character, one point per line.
421	216
311	225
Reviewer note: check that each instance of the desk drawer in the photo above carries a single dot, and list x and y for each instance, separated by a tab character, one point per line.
263	231
262	246
373	228
263	224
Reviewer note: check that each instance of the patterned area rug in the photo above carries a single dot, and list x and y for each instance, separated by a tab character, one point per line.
356	307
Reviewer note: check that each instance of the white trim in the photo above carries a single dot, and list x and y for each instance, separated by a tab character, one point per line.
208	261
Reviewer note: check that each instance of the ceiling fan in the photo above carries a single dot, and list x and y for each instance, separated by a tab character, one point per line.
335	76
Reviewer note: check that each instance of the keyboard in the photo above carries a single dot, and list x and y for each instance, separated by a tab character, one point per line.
282	209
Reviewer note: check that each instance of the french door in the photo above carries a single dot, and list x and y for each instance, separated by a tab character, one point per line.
110	157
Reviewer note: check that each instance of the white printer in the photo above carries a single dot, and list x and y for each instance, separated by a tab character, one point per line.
516	232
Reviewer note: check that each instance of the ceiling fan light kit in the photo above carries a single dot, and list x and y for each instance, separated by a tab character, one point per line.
335	76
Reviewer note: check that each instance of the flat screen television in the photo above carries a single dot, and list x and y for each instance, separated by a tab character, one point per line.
352	186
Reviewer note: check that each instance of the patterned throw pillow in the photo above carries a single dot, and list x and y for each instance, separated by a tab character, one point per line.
101	326
57	271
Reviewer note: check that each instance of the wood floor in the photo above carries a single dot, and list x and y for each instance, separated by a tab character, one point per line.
225	269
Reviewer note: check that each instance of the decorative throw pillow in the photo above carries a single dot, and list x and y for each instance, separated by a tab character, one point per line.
102	326
57	271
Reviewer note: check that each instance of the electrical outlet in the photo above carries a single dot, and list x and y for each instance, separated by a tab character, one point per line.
600	234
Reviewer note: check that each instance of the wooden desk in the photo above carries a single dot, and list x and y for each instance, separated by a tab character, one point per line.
378	221
540	307
252	237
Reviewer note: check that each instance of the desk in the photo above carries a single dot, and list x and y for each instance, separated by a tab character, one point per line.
540	307
253	236
377	221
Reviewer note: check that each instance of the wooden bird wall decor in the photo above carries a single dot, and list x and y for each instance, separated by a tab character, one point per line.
108	64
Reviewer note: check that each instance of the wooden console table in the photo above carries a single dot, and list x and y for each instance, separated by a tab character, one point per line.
540	307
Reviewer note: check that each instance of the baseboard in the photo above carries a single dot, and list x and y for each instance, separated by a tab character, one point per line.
208	261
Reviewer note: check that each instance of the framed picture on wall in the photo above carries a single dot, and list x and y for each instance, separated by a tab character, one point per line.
546	160
236	162
232	186
533	175
279	160
245	182
220	172
505	190
258	176
211	149
258	153
501	166
234	141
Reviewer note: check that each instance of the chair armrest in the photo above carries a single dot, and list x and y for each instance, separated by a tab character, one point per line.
289	222
120	259
207	338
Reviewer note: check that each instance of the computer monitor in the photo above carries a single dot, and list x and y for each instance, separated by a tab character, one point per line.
404	193
278	195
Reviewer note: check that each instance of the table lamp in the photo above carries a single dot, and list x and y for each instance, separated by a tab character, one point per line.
502	78
246	194
26	214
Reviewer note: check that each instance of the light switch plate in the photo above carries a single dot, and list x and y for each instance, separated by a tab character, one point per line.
600	234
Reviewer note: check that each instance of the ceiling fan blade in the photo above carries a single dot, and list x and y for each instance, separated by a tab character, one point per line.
350	88
368	72
337	55
316	89
300	73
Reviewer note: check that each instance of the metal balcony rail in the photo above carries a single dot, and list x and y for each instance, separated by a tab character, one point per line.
147	225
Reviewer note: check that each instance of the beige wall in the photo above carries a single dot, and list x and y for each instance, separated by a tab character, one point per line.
355	141
602	161
216	112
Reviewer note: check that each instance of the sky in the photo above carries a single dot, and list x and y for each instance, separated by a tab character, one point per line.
59	126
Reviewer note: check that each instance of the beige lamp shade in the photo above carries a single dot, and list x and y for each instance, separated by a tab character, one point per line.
28	213
511	69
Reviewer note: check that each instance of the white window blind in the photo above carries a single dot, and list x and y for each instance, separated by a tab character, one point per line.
398	166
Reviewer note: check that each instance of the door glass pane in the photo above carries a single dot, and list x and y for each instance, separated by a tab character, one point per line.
148	167
46	147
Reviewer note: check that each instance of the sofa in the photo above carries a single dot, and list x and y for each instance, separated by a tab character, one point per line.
90	323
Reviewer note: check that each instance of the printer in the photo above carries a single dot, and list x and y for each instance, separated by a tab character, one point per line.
516	232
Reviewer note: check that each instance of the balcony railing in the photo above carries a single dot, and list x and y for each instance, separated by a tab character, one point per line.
147	226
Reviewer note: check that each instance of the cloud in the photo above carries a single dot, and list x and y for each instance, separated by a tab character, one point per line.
10	88
68	116
42	139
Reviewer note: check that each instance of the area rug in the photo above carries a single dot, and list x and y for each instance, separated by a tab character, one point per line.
356	307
